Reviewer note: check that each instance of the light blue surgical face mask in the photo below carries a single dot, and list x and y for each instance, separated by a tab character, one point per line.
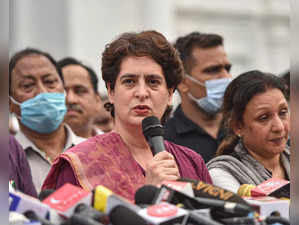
43	113
215	89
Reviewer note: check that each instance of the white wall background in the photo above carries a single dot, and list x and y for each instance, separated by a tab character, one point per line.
256	32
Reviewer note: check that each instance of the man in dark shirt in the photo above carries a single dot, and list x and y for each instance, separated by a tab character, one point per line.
19	169
196	123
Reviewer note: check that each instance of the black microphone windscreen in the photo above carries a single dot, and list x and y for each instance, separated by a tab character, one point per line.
77	219
88	211
45	193
121	215
145	195
205	190
152	127
31	215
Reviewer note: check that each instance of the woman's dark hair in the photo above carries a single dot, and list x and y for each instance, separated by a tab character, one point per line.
286	77
186	44
146	43
236	97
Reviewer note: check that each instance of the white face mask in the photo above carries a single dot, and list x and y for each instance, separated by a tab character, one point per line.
215	91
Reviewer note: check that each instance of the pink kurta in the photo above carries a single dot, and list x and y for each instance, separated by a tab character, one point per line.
106	160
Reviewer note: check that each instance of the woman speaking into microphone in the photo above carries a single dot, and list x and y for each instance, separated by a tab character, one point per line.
141	72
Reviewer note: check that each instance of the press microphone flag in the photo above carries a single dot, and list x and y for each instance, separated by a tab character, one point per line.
65	199
163	214
274	187
184	187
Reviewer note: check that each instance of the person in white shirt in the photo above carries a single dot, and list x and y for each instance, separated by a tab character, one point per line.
37	99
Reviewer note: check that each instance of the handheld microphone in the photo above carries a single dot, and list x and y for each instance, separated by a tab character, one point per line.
153	132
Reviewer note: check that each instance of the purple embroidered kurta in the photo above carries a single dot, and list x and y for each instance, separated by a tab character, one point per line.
106	160
19	169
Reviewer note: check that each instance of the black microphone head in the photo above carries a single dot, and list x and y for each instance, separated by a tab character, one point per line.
121	215
88	211
31	215
145	195
77	219
152	127
45	193
204	190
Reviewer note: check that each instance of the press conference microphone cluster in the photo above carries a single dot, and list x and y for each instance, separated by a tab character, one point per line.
122	212
80	207
240	214
151	194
